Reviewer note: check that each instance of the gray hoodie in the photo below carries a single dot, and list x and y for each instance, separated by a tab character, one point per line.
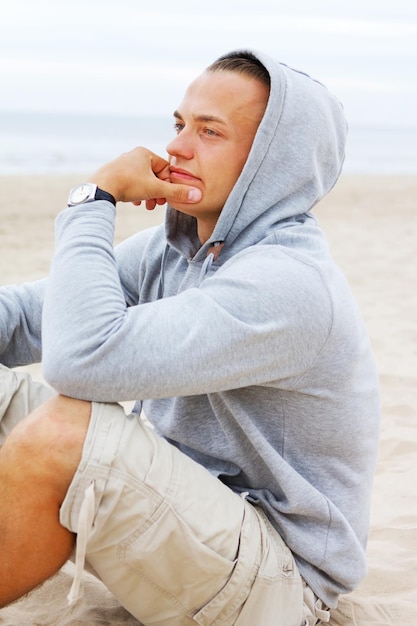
255	362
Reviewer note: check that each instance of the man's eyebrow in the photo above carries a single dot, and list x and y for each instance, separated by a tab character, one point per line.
201	118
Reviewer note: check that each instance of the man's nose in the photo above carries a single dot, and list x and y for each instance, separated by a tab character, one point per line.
181	146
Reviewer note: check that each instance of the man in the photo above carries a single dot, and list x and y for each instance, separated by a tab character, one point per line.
248	503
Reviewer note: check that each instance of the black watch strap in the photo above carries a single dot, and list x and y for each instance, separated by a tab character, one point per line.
104	195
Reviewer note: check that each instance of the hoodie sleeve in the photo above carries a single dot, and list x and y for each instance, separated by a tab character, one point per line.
236	329
21	308
20	323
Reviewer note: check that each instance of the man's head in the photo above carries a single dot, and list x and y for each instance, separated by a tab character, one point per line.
216	124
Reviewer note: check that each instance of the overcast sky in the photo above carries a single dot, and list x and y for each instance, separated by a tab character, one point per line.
136	57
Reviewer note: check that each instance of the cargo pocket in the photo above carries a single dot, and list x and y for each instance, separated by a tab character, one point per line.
176	573
224	608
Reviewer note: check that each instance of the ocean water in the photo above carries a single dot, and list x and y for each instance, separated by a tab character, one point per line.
44	143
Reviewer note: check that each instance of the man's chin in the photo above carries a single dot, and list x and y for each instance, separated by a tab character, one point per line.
183	207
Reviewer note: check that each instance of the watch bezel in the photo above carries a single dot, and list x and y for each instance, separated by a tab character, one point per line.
89	195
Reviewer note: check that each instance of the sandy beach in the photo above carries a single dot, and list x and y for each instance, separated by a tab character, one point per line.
371	224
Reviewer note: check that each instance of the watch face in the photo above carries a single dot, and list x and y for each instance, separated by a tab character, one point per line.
81	193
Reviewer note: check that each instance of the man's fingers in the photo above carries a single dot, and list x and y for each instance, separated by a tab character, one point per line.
150	204
142	175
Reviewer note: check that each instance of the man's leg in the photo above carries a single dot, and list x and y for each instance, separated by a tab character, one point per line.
37	464
173	544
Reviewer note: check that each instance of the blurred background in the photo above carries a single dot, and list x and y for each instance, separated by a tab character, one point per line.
82	81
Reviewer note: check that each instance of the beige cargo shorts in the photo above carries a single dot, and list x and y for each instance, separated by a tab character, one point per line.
171	542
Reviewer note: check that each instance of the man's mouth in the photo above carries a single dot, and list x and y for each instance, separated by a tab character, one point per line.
182	175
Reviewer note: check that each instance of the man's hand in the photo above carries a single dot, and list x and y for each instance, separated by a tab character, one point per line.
142	175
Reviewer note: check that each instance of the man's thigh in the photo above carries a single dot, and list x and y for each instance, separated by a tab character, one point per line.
19	396
174	545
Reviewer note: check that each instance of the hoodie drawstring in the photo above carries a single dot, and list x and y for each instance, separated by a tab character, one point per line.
212	255
205	268
162	273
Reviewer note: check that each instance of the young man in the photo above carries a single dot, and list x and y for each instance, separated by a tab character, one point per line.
248	503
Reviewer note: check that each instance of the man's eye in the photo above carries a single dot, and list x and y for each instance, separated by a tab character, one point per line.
210	132
178	127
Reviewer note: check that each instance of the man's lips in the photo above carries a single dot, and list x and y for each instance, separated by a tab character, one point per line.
183	175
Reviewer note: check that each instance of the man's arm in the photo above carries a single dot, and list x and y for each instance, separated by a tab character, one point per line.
21	306
135	176
211	338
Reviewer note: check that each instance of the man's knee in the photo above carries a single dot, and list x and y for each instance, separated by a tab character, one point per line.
47	444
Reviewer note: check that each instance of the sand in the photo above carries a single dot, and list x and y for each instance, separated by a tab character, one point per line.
371	223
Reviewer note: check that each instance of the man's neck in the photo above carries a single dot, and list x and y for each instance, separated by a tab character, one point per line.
205	229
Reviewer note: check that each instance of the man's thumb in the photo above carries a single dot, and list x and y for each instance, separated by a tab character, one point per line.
181	193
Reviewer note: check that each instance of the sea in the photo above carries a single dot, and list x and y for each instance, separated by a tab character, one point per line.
59	143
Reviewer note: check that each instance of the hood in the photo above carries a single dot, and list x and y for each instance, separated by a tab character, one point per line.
295	160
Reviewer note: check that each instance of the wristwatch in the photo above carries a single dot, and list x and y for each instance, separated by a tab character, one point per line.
88	192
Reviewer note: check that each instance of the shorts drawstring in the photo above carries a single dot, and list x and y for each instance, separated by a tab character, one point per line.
85	522
322	612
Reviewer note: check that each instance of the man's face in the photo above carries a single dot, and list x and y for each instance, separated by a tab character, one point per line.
215	124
